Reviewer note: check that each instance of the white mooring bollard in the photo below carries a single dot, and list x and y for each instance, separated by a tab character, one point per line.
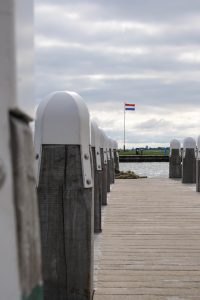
189	161
20	257
198	166
107	147
112	167
97	175
104	164
175	168
116	157
62	138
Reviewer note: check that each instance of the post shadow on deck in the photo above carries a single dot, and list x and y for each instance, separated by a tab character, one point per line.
189	161
62	137
97	175
175	167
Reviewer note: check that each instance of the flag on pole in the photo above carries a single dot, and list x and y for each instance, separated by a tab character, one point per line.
129	106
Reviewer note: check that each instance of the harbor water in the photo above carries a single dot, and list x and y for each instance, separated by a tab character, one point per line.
153	169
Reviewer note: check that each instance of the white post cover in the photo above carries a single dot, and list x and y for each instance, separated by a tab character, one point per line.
16	93
63	119
103	143
17	54
175	144
95	142
198	147
189	143
112	147
108	147
115	145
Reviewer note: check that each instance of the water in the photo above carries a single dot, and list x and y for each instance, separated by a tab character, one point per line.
154	169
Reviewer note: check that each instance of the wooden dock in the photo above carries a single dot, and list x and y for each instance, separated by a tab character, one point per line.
150	245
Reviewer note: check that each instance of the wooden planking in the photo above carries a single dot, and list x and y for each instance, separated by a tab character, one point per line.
150	246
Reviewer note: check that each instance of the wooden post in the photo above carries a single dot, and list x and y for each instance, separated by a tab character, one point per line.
62	138
97	175
112	168
189	161
175	168
116	157
26	207
104	165
108	165
20	259
198	166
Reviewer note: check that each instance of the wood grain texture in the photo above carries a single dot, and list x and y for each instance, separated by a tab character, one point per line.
116	161
97	174
104	179
108	175
26	207
150	246
198	176
189	167
66	214
175	167
112	169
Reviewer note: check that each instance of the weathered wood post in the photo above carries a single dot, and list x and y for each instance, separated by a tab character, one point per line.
62	139
107	147
104	164
175	168
189	161
20	260
112	167
97	175
116	157
198	166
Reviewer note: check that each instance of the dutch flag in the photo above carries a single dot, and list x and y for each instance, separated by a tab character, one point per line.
129	106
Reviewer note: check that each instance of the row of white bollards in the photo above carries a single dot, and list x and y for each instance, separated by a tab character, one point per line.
66	183
185	162
75	163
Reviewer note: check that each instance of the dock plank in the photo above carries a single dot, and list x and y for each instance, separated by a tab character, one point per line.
150	245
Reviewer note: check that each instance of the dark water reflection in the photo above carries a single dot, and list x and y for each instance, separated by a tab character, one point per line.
154	169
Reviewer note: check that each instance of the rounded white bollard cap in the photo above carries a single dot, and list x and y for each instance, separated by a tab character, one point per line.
112	147
95	142
63	119
108	147
189	143
115	145
103	145
198	147
175	144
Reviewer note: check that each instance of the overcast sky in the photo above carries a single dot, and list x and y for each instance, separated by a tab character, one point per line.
110	51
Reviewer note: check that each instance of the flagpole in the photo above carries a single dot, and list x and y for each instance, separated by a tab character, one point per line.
124	129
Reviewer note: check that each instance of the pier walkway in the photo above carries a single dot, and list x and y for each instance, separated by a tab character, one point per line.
150	245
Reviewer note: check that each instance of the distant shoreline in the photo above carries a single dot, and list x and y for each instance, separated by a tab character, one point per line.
143	158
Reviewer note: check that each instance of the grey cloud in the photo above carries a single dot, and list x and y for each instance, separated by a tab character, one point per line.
108	66
150	10
153	124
